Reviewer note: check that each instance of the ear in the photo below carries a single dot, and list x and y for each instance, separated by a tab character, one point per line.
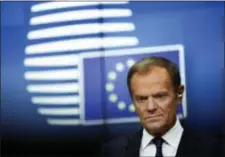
180	93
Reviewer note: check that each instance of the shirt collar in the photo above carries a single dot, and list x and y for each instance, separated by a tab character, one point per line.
172	137
146	138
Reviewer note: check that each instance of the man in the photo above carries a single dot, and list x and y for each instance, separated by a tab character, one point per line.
155	88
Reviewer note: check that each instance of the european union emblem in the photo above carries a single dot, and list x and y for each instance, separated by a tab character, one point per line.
105	92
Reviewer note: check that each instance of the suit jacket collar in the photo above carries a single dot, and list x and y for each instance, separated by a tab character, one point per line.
133	146
193	144
183	147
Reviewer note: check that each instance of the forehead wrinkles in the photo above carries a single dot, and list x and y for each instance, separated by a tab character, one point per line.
156	76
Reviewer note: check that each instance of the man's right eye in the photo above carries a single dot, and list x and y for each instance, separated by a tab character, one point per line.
141	99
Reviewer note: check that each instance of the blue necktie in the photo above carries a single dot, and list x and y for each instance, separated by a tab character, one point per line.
158	141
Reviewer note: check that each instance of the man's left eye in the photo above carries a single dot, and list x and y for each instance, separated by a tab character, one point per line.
160	96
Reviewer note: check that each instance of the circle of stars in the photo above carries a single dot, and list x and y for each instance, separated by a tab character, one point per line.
110	86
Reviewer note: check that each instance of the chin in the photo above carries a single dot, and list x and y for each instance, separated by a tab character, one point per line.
154	128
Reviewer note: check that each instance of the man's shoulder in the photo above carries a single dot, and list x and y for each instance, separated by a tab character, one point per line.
117	142
201	142
117	146
114	147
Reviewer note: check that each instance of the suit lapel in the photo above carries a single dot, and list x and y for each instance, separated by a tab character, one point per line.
189	144
134	144
182	148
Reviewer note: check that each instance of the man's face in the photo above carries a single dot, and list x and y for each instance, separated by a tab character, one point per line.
155	100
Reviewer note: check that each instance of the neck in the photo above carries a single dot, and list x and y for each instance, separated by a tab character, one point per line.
163	130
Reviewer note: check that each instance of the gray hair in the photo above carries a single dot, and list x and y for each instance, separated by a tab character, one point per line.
144	64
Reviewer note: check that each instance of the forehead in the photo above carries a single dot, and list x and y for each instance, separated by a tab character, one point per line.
155	78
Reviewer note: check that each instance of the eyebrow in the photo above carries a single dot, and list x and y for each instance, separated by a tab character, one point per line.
160	93
138	96
157	93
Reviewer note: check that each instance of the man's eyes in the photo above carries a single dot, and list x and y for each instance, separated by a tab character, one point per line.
158	96
141	99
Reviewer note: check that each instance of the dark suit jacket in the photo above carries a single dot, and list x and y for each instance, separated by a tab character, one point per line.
192	144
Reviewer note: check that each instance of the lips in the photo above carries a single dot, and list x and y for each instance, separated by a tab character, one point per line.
152	117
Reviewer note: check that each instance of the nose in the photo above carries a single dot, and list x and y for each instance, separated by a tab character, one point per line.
152	106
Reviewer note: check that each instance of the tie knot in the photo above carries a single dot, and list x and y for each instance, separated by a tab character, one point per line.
158	141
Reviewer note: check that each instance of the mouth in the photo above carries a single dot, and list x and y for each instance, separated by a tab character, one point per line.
153	117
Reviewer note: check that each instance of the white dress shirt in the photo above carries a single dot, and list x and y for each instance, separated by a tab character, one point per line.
169	148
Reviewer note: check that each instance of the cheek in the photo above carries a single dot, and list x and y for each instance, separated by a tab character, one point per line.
140	111
167	107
